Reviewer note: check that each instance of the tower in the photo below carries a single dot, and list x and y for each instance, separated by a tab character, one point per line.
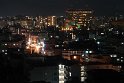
79	17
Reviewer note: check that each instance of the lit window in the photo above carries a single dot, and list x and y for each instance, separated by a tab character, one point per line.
102	33
82	79
90	51
118	59
57	36
5	44
5	53
61	81
82	73
82	68
75	57
122	43
84	14
2	50
87	59
70	74
61	66
84	24
82	55
113	55
61	71
122	57
119	66
98	42
56	45
18	49
86	51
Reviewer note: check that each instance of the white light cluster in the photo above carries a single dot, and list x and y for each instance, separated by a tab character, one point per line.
113	55
98	42
88	52
43	46
61	73
34	44
4	51
83	73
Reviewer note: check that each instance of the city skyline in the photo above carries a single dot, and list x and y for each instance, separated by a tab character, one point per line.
56	7
78	47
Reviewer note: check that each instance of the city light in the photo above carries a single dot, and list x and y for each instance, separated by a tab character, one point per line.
35	46
98	42
61	73
75	57
64	48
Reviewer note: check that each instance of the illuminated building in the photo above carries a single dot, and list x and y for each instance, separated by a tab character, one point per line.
23	23
17	29
83	73
39	23
51	20
79	17
34	45
64	74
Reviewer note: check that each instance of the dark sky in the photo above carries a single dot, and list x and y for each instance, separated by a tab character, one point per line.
57	7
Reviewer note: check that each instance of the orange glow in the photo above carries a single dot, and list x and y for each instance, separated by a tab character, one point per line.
75	57
33	45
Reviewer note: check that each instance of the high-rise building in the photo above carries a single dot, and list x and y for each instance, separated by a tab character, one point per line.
79	17
51	20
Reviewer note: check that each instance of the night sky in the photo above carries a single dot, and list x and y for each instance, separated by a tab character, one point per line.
57	7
